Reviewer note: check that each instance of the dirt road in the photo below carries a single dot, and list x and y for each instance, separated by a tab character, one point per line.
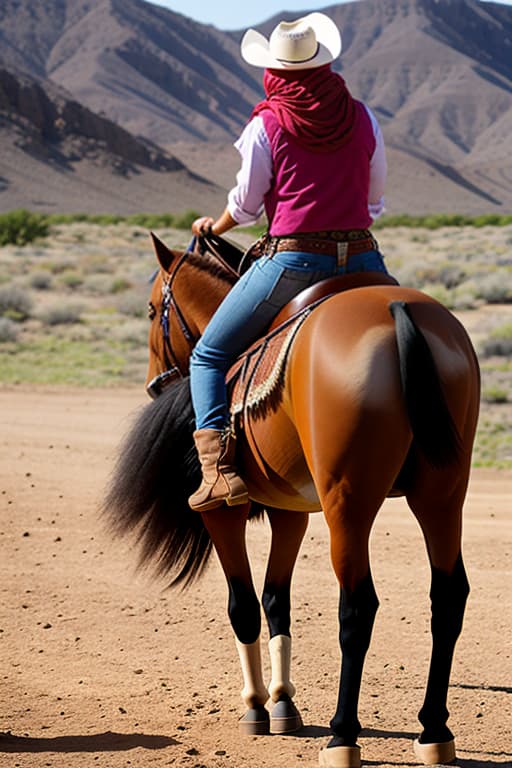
101	667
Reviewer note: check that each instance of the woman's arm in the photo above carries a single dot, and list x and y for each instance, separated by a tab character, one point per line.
206	224
378	171
245	200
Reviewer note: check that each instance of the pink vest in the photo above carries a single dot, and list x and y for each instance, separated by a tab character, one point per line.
315	191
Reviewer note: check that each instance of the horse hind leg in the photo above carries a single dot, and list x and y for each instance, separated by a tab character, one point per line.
441	526
357	611
350	519
448	595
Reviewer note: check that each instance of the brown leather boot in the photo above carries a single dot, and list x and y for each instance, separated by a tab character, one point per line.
221	483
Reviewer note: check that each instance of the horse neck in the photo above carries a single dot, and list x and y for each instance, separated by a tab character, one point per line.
198	293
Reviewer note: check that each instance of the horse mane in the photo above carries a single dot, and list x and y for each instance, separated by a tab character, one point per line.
156	471
215	267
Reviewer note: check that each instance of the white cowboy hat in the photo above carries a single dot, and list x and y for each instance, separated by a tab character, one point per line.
302	44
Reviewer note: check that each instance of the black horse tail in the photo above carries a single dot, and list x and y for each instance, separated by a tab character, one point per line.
431	422
156	471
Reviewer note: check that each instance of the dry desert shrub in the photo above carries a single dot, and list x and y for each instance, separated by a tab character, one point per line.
61	314
15	302
71	279
499	343
131	332
9	330
496	288
105	284
41	280
134	303
97	284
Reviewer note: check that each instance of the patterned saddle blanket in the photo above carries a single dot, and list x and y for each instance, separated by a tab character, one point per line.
255	382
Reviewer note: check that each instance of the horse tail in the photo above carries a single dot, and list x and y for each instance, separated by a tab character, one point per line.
156	471
431	422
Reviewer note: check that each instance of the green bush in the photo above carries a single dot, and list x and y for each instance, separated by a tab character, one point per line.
184	221
20	227
438	220
146	220
152	220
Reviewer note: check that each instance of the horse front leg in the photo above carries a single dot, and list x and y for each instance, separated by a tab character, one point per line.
227	526
288	529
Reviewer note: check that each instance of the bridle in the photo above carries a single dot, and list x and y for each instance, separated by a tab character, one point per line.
170	307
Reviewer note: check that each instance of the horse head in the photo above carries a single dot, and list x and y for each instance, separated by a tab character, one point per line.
186	292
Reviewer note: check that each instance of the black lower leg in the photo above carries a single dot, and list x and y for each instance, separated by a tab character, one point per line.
276	604
244	611
357	614
448	596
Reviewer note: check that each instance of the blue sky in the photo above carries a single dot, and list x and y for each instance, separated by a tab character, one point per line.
226	14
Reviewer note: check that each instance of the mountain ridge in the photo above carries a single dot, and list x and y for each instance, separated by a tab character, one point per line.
437	74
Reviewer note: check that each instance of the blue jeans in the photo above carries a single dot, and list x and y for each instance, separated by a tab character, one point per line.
245	313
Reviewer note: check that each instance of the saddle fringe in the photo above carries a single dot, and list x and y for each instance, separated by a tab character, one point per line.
258	383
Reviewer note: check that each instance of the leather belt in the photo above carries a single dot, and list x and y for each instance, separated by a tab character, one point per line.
341	249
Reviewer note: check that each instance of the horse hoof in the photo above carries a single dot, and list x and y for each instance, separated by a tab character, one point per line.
255	722
340	757
285	717
441	753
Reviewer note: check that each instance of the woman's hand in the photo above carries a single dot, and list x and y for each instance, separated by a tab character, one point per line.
202	225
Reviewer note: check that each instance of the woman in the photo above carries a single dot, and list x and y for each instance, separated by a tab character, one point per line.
313	159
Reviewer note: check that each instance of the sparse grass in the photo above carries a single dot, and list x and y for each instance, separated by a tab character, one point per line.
53	360
493	445
82	296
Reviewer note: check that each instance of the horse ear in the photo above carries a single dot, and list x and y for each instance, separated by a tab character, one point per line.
164	255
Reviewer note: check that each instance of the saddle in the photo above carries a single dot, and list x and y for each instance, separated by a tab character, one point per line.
256	379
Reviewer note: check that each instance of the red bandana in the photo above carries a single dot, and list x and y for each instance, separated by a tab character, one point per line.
313	105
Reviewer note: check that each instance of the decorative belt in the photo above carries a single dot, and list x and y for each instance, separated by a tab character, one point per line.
339	244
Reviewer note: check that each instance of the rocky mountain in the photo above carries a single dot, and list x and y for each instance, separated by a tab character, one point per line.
54	127
56	152
438	73
155	72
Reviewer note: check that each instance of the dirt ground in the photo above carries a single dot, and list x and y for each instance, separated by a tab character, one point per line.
102	667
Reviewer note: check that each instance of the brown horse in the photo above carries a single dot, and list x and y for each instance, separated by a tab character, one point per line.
377	395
